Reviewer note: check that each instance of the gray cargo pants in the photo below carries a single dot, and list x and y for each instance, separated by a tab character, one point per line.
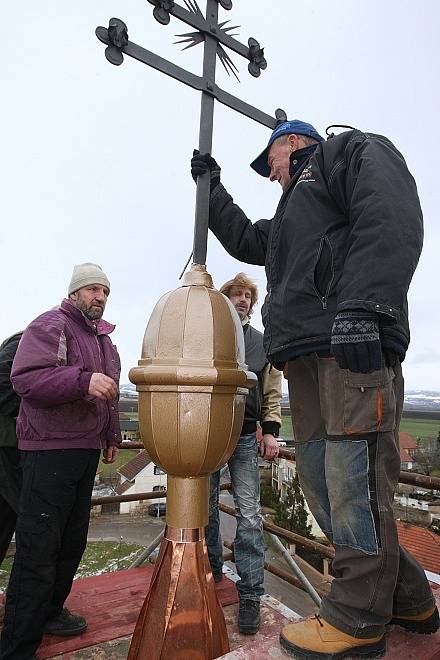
347	456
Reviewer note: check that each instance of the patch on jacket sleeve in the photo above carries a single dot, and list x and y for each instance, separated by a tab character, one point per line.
62	349
307	174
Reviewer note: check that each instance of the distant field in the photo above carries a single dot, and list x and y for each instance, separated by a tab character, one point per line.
418	428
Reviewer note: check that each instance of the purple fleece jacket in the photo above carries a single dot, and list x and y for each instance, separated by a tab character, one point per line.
51	373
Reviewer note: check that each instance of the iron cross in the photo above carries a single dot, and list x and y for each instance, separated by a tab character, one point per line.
216	37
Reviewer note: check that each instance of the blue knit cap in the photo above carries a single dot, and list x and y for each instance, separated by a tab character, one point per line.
295	126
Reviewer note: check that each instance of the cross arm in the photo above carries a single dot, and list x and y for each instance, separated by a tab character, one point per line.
114	55
245	108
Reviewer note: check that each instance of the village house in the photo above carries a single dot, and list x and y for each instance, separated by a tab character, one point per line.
140	475
129	428
408	448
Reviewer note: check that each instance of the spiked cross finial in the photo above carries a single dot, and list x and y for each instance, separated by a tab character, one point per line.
163	9
195	38
218	38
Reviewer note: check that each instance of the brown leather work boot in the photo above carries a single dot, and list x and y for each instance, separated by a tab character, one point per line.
316	639
425	623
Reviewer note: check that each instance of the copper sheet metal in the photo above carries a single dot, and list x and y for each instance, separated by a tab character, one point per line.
181	618
180	535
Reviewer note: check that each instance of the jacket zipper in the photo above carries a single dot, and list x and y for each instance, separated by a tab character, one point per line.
100	366
324	298
279	214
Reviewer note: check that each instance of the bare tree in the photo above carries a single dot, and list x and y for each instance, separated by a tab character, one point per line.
428	459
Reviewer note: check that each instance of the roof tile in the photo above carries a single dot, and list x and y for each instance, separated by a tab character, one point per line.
131	469
406	441
423	544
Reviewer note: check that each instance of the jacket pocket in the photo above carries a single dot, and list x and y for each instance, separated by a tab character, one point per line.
77	418
324	272
32	534
369	402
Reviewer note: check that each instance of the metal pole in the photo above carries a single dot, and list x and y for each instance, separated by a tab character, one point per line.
205	136
296	569
320	548
271	568
148	550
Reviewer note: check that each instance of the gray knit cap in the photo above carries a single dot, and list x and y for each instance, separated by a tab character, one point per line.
85	274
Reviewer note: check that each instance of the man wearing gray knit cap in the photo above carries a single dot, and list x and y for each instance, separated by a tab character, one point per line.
86	274
66	371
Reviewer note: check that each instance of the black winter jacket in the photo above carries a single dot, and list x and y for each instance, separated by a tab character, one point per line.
347	234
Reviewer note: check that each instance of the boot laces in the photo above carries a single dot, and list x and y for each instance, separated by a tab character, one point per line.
318	618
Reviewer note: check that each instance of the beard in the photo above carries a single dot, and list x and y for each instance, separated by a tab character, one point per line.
242	312
92	312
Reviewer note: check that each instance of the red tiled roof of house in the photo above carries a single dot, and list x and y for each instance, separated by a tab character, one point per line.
406	441
131	469
122	488
405	457
423	544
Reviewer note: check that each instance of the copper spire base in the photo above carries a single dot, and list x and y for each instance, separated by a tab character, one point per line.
181	618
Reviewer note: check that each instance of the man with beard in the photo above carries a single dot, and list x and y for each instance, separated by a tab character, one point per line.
263	405
66	371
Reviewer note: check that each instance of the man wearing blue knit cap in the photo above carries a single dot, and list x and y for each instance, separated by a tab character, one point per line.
340	253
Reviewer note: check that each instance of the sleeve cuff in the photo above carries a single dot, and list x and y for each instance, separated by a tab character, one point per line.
84	382
271	427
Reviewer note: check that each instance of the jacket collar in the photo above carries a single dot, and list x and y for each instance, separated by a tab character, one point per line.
101	327
299	158
304	156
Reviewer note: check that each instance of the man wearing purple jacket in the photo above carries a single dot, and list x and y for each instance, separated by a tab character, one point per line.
66	371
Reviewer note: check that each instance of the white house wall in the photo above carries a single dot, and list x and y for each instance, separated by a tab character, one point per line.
144	482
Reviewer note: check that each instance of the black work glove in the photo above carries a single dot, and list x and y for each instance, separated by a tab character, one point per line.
390	356
356	341
201	163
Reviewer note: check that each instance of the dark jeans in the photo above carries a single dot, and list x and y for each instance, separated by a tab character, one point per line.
249	542
10	486
347	456
51	536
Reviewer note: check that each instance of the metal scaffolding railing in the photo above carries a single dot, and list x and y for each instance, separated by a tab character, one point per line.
325	551
275	532
410	478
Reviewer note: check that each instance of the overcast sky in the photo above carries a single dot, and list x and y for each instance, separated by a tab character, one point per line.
95	158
